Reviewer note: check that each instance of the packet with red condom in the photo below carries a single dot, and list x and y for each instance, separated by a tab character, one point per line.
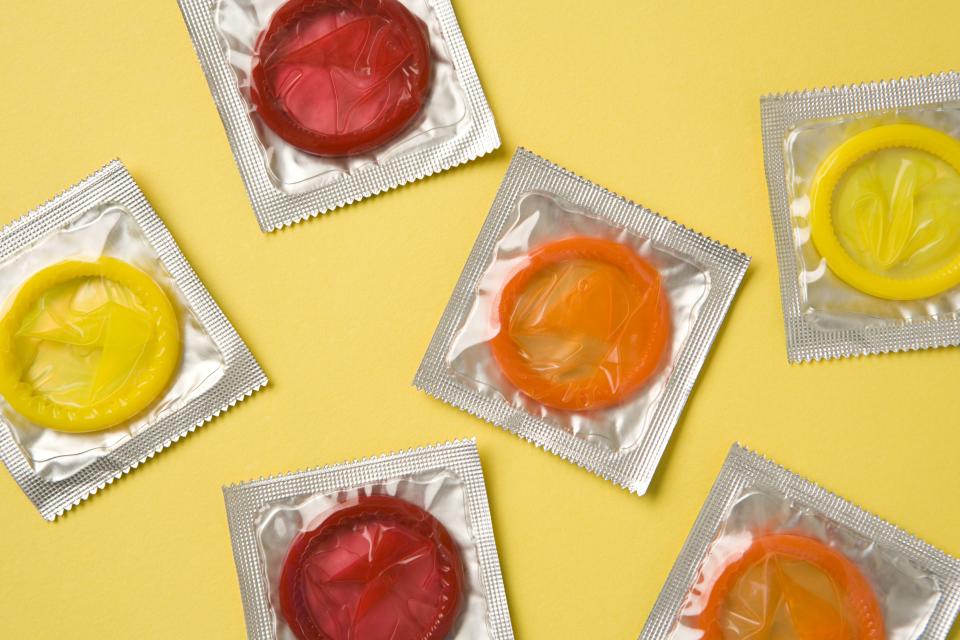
581	321
399	546
326	102
773	555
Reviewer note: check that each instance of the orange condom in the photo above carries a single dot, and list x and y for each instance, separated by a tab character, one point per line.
792	587
583	324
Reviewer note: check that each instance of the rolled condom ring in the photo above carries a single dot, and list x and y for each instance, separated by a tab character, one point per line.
341	77
377	568
885	211
583	324
790	586
85	346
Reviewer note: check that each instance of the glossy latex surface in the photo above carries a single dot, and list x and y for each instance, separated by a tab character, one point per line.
885	211
790	587
87	345
583	324
335	77
897	212
379	569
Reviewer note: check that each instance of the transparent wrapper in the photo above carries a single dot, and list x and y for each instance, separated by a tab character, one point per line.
581	321
326	102
275	523
774	555
864	185
110	346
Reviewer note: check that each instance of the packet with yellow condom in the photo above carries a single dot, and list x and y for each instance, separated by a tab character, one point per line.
773	555
110	346
864	186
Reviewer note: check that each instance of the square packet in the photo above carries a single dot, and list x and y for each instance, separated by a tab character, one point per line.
581	321
773	552
864	184
326	102
110	346
413	528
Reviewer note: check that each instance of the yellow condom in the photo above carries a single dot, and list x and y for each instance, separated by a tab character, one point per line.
87	345
885	211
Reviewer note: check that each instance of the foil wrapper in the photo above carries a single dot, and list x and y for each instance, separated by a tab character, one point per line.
916	586
538	204
825	317
107	216
286	184
446	480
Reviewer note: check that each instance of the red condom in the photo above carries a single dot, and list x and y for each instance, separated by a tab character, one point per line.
341	77
378	568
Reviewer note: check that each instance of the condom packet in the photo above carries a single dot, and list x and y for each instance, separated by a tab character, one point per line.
327	102
773	552
426	509
597	369
111	348
864	184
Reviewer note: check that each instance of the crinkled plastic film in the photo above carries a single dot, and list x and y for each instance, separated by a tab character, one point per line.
651	296
353	117
774	555
538	220
269	517
864	186
73	274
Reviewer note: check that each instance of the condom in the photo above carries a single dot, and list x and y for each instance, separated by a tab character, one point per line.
85	346
787	586
885	211
583	324
341	77
379	568
773	556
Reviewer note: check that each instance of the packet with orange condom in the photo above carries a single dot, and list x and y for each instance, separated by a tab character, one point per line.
864	186
581	321
396	546
110	346
774	556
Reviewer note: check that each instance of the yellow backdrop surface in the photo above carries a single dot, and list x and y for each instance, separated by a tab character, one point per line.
657	101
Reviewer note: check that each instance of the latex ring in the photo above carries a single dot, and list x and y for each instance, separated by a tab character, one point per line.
359	572
885	251
861	617
583	324
85	346
341	77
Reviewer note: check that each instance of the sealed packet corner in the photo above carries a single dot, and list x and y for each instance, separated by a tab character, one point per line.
327	103
581	321
772	552
111	348
864	186
340	551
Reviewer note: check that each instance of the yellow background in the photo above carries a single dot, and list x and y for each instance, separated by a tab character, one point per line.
655	100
